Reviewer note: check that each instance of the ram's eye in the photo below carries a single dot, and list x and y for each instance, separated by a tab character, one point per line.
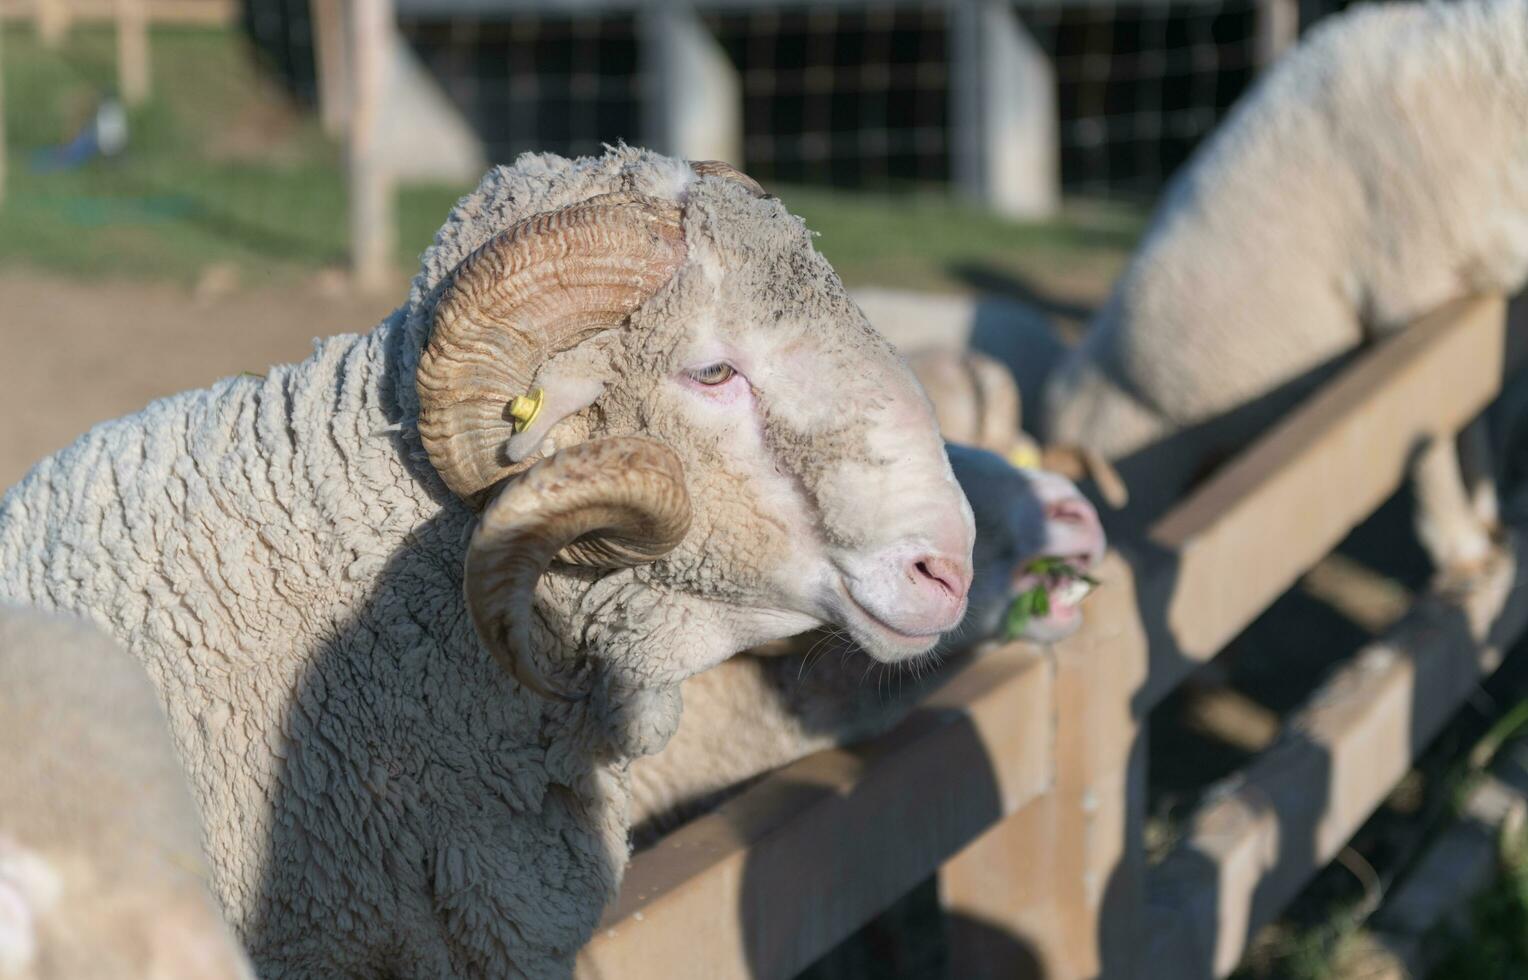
713	374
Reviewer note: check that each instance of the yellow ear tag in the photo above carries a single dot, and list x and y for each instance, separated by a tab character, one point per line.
1024	458
524	408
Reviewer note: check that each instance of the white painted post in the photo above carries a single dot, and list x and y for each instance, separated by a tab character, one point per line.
373	225
694	101
133	73
1006	150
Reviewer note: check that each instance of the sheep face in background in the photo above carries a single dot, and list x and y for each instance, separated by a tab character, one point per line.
1023	515
101	871
717	420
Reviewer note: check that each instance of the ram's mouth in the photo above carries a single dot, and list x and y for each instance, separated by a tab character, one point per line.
879	638
1048	596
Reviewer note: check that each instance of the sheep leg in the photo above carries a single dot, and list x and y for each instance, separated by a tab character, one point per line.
1450	530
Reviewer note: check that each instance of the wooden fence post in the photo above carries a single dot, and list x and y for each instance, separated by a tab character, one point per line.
3	145
132	52
373	225
1057	891
332	64
52	21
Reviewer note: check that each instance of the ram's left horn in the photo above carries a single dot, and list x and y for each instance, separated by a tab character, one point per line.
608	503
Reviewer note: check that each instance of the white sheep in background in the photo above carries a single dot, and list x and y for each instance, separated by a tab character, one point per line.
753	714
732	456
1377	172
101	871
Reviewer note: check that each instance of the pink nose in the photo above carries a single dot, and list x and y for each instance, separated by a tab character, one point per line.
1073	528
944	581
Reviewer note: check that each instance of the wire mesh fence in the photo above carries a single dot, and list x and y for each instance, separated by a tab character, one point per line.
1138	85
851	95
229	158
537	81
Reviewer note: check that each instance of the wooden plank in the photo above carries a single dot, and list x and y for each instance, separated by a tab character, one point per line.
780	875
1222	556
1063	876
1275	824
198	13
1029	897
1211	567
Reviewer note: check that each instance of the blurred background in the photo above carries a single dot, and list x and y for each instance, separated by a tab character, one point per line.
196	188
199	187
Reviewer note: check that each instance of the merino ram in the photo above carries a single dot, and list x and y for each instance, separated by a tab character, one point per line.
722	453
1377	172
101	870
756	713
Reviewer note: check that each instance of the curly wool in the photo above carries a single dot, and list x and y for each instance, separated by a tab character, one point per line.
278	553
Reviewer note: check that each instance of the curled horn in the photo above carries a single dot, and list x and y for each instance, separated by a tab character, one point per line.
542	287
719	168
608	503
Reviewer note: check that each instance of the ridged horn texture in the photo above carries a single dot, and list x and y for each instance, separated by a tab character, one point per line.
718	168
608	503
535	290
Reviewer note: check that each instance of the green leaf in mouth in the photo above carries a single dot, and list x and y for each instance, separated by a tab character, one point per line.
1034	603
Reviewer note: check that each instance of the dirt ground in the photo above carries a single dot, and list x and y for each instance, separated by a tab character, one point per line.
82	354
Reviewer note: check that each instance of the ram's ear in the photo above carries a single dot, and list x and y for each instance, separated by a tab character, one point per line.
566	385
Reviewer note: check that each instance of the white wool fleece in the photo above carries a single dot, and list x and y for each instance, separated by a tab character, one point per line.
101	870
379	798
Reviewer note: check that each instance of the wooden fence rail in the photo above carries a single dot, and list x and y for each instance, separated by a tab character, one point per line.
1021	781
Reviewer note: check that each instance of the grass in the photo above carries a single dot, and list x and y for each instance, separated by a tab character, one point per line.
1496	945
222	169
